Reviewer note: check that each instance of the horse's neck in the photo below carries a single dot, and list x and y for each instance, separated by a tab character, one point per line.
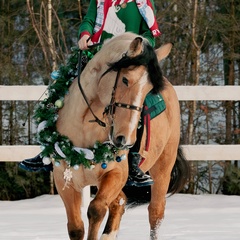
75	104
74	117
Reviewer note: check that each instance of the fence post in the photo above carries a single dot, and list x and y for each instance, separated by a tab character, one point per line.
86	196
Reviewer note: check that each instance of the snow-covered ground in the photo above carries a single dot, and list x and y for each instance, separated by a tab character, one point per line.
187	217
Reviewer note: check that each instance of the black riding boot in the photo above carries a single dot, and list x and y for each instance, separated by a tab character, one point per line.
137	177
35	164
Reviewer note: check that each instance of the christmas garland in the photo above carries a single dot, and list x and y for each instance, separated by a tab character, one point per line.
55	146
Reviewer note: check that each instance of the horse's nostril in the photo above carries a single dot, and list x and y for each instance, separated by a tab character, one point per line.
120	141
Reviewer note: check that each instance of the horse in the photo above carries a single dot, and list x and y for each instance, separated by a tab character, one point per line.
105	106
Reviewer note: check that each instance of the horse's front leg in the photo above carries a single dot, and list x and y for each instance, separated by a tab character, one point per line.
161	174
109	189
72	201
156	210
116	210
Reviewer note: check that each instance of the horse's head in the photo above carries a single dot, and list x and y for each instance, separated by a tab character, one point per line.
125	82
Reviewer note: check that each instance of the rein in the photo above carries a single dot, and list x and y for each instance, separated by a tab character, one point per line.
97	120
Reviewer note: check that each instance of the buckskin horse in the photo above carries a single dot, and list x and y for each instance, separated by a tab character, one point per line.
108	106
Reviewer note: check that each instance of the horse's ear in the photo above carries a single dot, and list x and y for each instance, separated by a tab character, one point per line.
163	51
136	47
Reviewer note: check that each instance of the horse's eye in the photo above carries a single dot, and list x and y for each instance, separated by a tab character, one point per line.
125	81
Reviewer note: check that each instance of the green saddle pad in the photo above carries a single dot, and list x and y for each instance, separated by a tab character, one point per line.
155	105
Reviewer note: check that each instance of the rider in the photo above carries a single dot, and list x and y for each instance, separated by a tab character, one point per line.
105	19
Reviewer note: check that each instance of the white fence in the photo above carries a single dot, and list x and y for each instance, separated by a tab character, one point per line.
185	93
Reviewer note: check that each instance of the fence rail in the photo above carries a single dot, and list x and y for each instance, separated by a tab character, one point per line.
17	153
185	93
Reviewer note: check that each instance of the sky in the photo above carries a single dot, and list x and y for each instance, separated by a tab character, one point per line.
187	217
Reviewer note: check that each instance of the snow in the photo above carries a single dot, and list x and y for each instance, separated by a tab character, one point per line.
187	217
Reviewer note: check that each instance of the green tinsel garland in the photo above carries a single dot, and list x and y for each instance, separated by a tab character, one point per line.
46	116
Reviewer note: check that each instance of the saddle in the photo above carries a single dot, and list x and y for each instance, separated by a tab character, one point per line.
154	105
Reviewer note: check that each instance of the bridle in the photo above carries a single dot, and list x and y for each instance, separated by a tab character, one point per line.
110	109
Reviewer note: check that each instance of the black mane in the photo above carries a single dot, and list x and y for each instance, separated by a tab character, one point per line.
148	59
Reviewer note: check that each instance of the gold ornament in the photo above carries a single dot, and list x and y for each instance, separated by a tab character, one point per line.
59	103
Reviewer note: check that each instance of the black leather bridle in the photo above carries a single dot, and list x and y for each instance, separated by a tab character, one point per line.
110	109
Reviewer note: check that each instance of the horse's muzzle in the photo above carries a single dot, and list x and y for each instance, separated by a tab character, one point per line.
119	141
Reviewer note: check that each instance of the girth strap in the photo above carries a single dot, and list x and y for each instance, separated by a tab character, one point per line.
147	121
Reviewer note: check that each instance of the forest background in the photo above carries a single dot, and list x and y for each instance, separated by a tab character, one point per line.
36	37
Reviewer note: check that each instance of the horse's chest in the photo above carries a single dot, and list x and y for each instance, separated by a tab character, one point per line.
89	176
92	133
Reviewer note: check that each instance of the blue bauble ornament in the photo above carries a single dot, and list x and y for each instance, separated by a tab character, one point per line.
42	147
55	75
104	165
57	164
118	159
